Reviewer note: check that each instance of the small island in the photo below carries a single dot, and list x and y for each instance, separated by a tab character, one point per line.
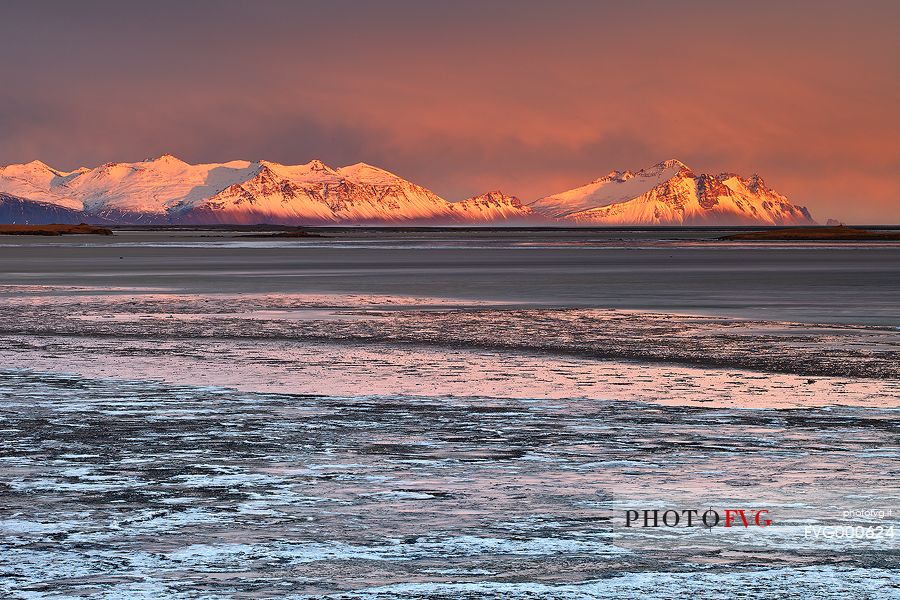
292	233
839	233
54	229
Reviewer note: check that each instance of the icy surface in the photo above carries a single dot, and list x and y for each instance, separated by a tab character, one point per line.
120	488
443	415
73	324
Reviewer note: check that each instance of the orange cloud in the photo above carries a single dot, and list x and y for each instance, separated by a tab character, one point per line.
532	97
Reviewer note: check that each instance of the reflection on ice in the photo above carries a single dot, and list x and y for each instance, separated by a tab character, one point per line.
131	488
286	445
342	369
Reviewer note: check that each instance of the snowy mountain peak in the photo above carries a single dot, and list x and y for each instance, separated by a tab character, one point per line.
670	193
165	158
614	176
672	164
38	165
755	182
35	168
266	168
315	171
496	196
34	180
166	164
365	174
362	167
493	206
317	165
617	186
169	190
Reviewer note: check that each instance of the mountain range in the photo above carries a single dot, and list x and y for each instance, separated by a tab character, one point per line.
167	190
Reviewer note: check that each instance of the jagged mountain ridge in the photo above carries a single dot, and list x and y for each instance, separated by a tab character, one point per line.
670	193
495	206
315	192
167	190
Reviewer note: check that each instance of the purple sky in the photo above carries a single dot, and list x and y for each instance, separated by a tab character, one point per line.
529	97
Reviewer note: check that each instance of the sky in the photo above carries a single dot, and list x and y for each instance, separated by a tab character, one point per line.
464	97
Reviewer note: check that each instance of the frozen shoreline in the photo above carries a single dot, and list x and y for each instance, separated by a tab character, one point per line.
76	324
300	422
139	489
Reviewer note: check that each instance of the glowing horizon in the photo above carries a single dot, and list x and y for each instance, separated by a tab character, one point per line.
529	98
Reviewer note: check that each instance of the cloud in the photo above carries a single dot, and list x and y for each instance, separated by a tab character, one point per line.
464	96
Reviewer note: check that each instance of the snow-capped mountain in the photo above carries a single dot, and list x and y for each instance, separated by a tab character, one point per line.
316	193
167	190
494	207
670	193
38	182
